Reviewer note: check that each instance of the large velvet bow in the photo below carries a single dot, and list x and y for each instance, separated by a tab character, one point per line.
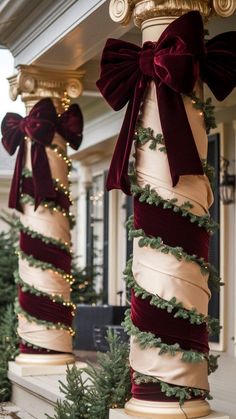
40	126
174	63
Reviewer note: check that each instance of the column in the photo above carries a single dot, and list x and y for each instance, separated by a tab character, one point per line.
169	353
45	311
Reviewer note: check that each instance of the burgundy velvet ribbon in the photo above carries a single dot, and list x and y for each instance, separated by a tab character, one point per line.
45	309
48	253
174	63
40	126
173	228
25	349
61	199
164	325
152	392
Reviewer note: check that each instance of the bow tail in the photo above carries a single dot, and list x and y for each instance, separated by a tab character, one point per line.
118	173
14	196
182	153
42	179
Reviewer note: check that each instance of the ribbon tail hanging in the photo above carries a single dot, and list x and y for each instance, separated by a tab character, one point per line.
14	196
42	179
118	173
182	153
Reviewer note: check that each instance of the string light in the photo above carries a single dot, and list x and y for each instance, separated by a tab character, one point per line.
65	101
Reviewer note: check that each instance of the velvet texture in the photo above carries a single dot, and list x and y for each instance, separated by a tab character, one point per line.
151	391
40	126
173	228
25	349
174	63
44	309
45	252
61	199
164	325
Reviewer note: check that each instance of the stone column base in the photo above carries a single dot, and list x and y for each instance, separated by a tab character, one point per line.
44	359
121	414
167	410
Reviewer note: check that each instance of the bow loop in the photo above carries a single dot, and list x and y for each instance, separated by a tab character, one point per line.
70	126
11	131
40	126
218	67
174	63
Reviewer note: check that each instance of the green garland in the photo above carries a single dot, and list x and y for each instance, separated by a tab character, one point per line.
32	290
207	110
27	199
172	305
209	172
181	393
49	325
44	265
178	252
148	340
151	197
44	239
143	135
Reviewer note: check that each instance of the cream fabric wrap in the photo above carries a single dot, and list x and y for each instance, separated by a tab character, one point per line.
45	281
152	167
56	226
51	224
37	334
167	368
163	274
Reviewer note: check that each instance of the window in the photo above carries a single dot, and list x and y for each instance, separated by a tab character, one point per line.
97	235
214	253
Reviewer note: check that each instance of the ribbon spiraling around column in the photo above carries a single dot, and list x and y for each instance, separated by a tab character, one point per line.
169	272
40	190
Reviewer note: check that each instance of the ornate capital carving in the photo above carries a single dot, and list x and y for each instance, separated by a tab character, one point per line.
34	83
122	10
224	8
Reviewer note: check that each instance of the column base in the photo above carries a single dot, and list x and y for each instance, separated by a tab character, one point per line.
44	359
167	410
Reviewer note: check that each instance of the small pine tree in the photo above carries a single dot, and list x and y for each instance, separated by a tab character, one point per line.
8	262
8	349
8	336
106	386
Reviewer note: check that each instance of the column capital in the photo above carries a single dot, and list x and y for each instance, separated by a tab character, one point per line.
34	83
121	11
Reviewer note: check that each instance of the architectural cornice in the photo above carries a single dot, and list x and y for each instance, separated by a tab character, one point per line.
56	33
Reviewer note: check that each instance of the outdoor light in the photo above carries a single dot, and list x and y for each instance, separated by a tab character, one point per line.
227	184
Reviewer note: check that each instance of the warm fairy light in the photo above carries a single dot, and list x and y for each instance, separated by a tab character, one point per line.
65	101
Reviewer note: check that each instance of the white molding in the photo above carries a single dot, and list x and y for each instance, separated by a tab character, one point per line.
101	129
234	129
220	129
58	33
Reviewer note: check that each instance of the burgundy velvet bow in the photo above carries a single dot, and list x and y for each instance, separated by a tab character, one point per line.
40	126
174	63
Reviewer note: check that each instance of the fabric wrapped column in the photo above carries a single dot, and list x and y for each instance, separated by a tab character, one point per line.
45	311
169	273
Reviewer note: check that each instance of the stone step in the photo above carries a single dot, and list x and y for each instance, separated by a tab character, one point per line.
37	392
9	410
